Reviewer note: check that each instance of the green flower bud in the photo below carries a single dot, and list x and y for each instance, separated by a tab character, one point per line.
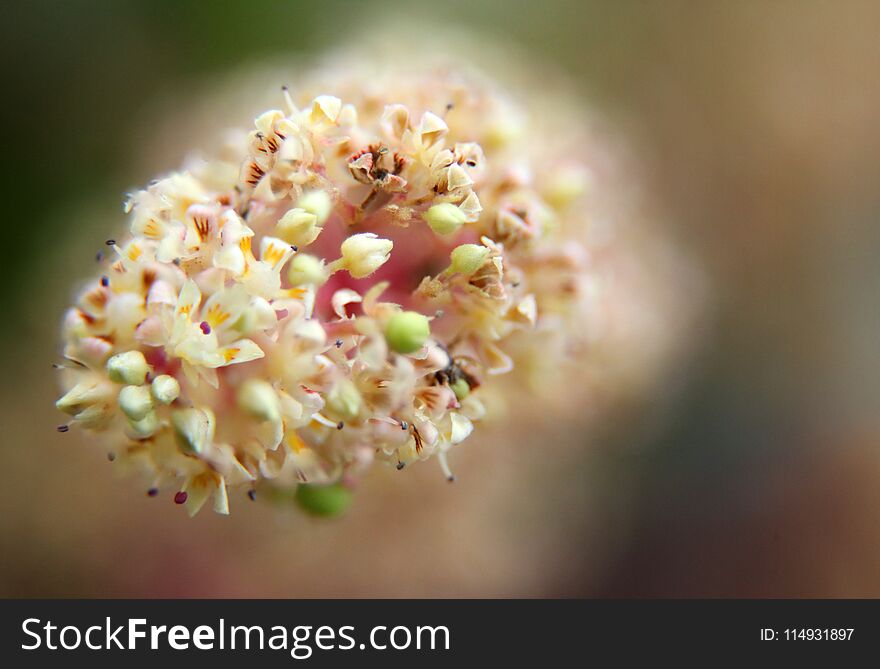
130	368
135	401
461	389
407	331
445	218
306	270
165	389
468	258
323	500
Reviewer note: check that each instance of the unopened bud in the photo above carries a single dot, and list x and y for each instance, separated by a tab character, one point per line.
317	203
407	331
193	429
298	227
364	253
323	500
80	397
460	388
468	258
445	218
345	400
165	389
135	401
306	270
130	368
259	399
145	427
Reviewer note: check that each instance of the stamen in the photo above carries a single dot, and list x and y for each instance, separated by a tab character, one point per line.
105	281
110	242
294	248
444	465
323	421
99	256
252	494
338	343
400	466
180	497
63	428
288	100
111	457
404	425
206	328
152	492
340	425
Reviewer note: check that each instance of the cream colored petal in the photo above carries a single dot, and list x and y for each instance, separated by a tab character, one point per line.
343	297
243	350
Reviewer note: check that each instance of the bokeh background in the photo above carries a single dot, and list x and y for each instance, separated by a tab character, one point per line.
752	469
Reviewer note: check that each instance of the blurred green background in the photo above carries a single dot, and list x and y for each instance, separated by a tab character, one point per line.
758	124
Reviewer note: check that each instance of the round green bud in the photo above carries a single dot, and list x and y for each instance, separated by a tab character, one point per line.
468	258
461	389
407	331
323	500
445	218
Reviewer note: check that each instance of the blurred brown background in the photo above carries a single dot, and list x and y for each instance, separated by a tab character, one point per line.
754	473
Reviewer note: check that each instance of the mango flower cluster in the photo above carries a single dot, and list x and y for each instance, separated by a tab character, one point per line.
335	286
